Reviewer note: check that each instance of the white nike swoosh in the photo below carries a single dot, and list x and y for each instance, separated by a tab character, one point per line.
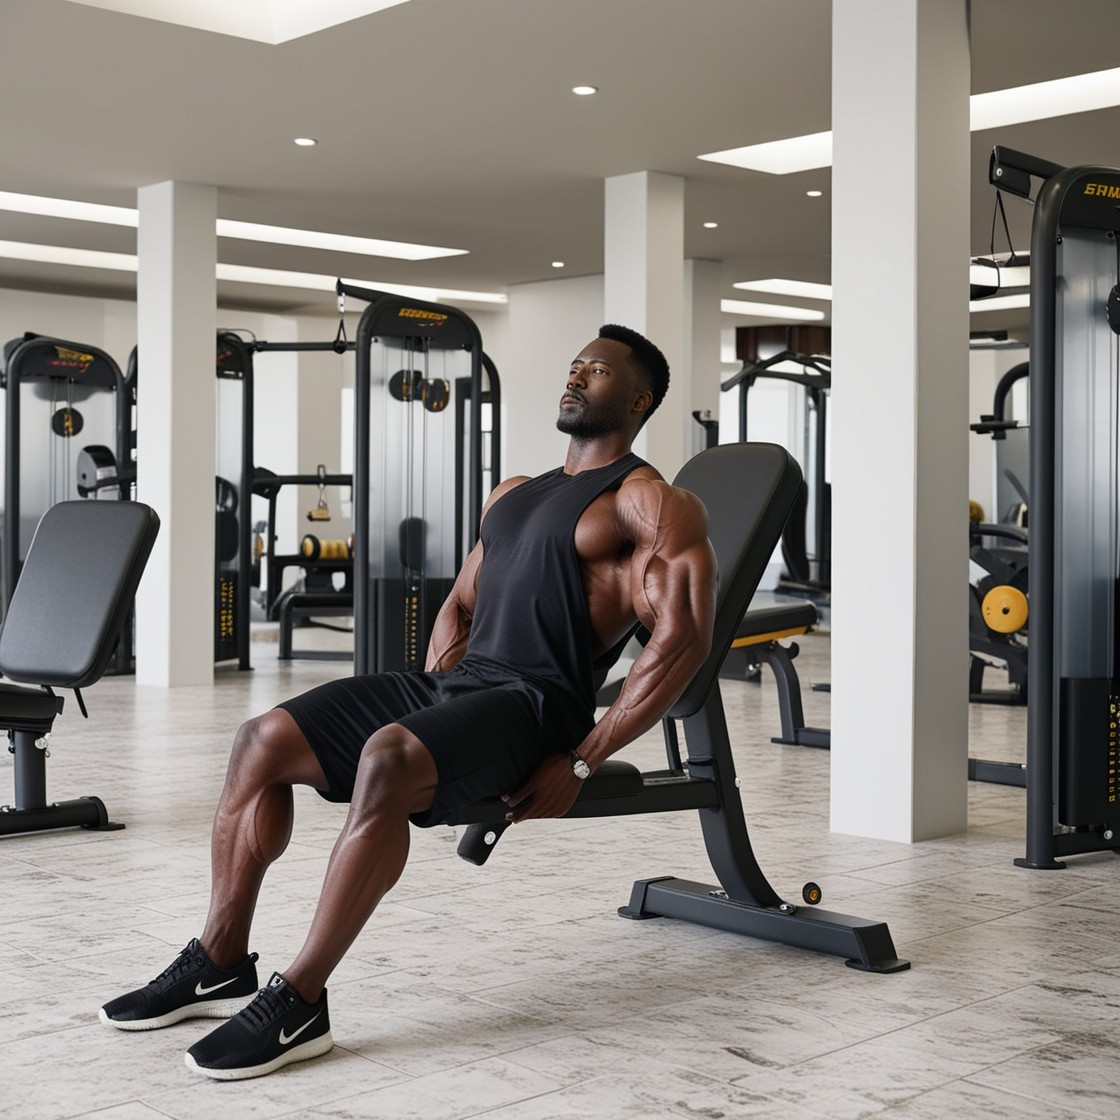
287	1038
199	990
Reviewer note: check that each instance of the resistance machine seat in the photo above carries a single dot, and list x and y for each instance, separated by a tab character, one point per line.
757	642
63	622
749	490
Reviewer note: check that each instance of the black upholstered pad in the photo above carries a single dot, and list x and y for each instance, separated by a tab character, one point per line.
75	590
748	489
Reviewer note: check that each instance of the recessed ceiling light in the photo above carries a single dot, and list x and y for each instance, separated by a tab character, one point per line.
711	225
768	310
782	287
557	264
814	194
305	141
585	91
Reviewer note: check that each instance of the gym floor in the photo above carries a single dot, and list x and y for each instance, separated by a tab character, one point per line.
515	992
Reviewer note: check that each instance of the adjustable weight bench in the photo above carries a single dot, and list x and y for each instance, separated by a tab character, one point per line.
67	611
749	490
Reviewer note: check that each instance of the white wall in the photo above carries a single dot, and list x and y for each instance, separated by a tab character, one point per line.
549	323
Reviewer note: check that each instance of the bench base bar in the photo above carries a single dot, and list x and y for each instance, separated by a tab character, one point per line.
867	945
82	812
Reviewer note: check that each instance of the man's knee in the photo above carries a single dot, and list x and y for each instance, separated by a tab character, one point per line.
271	748
396	771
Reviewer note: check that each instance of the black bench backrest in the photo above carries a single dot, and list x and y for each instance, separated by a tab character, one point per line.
75	590
749	490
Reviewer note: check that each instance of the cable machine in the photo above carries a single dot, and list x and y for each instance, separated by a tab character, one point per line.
805	571
1073	729
61	375
425	452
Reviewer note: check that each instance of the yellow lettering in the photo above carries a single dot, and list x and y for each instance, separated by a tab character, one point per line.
416	313
1102	190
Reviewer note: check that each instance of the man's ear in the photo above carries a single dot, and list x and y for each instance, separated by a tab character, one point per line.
642	402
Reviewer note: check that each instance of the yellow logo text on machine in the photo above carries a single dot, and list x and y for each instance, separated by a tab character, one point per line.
72	359
415	313
1103	190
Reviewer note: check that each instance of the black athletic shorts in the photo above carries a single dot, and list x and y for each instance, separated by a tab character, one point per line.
486	732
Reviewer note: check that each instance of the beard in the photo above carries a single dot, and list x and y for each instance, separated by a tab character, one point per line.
589	422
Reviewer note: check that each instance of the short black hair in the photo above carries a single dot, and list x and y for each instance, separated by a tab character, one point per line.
649	360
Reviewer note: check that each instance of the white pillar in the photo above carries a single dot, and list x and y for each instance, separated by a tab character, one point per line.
643	289
900	245
703	282
175	303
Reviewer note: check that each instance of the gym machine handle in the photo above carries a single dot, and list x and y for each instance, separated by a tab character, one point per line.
1011	171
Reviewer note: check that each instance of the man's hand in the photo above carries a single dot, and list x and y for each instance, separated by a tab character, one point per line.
550	792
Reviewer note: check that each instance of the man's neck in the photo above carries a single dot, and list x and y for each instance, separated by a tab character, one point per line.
587	455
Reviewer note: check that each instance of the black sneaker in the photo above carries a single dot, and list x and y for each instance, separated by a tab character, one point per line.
191	987
277	1028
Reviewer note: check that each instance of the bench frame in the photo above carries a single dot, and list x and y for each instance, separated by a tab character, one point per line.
758	484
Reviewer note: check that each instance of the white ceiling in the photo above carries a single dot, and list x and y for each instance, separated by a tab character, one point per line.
451	122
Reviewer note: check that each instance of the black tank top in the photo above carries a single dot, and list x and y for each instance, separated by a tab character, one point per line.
531	613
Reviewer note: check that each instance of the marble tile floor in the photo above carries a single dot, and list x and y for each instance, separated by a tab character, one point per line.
515	992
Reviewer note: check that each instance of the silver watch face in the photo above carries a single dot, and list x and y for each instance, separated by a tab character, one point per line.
580	768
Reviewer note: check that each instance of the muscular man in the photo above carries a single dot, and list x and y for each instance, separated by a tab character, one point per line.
566	565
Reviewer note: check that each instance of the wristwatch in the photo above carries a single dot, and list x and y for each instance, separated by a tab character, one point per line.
579	767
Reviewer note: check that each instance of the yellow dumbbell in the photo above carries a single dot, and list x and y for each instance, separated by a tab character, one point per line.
1005	609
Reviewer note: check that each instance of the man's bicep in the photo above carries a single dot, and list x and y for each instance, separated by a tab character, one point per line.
679	573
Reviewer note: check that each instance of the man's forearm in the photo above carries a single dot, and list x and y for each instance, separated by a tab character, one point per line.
657	678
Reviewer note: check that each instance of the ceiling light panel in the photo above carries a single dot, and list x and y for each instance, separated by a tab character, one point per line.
801	289
271	277
335	242
60	254
266	21
780	157
769	310
68	208
1001	303
245	231
1081	93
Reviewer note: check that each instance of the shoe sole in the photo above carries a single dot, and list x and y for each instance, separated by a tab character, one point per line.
310	1049
212	1009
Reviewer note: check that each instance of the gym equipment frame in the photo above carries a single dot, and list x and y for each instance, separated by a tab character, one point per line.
40	358
815	378
1073	741
394	610
749	490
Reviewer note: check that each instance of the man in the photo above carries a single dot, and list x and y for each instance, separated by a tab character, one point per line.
566	565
